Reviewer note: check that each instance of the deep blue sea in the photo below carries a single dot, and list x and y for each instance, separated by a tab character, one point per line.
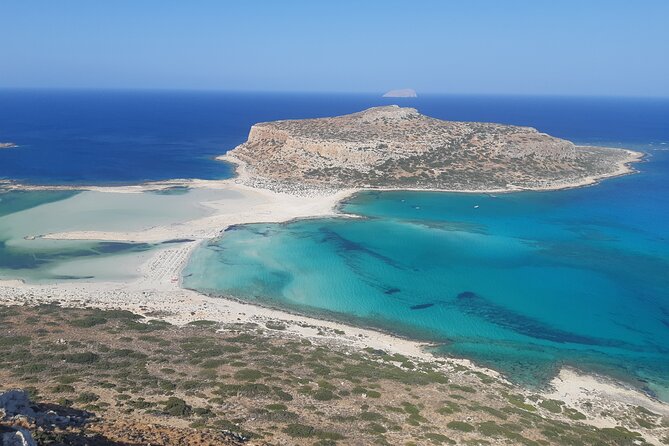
116	137
524	282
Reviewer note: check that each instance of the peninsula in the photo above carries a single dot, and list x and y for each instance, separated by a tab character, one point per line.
395	147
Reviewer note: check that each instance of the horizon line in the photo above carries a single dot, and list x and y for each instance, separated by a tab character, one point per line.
329	92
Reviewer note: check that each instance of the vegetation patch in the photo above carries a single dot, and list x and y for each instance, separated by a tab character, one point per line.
238	383
460	426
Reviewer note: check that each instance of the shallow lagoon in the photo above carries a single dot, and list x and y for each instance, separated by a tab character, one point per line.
24	216
522	282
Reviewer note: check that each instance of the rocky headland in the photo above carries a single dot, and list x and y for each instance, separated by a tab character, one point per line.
395	147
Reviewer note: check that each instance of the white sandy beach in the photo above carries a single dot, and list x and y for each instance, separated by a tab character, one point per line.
155	290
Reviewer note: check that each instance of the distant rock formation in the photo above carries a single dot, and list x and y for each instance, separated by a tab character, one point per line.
402	93
397	147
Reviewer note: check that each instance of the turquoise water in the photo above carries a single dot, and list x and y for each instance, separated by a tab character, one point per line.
26	215
31	259
523	282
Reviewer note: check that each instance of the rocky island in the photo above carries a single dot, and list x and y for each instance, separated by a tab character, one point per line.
397	147
402	93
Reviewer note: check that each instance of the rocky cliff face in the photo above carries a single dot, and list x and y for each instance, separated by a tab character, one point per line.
396	147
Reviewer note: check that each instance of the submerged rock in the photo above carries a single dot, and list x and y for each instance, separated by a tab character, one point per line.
421	306
467	295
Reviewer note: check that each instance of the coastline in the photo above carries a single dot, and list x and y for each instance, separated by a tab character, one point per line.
242	176
156	293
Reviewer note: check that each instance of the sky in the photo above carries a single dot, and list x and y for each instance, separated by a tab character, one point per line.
533	47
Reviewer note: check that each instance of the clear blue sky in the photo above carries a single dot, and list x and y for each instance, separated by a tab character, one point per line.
585	47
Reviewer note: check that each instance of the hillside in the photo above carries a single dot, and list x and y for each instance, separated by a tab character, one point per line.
114	378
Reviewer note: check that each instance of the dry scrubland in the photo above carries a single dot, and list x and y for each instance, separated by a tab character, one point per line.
148	382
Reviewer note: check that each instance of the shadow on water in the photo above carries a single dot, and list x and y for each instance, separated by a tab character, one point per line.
475	305
13	258
16	201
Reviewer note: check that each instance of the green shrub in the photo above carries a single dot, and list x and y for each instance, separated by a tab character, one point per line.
65	402
466	389
177	407
203	412
13	341
449	408
372	416
63	388
249	390
81	358
203	323
283	396
323	395
573	414
212	363
376	428
121	314
88	321
554	406
297	430
619	435
519	401
275	325
87	397
248	375
30	369
460	426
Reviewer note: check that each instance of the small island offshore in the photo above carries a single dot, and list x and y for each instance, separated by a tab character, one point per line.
401	93
398	148
145	360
